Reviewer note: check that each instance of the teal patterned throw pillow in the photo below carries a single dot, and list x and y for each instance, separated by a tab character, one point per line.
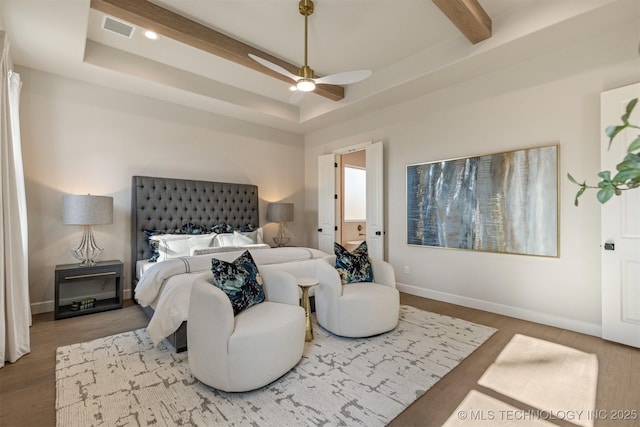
353	266
240	280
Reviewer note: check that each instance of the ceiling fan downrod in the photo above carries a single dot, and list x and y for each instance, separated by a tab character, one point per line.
305	79
306	83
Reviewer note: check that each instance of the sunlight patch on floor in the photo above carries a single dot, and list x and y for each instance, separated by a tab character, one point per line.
551	381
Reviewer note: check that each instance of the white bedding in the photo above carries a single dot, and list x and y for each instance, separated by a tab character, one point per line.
143	264
166	285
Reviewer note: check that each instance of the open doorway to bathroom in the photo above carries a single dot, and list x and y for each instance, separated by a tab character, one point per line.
352	206
331	227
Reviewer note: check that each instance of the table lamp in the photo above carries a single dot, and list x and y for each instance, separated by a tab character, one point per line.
281	213
87	210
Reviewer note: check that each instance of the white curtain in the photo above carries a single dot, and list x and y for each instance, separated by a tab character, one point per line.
15	311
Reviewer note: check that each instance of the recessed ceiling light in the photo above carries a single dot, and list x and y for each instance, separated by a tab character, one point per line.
152	35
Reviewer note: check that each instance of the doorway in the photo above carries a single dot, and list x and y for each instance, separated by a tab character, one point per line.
329	197
352	206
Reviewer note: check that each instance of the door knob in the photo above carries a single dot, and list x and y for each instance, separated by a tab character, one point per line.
609	246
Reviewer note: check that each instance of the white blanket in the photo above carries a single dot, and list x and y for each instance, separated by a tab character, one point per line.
166	286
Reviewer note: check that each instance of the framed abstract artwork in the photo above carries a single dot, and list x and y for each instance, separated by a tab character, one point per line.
504	202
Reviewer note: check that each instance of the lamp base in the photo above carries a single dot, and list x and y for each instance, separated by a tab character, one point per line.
281	239
88	252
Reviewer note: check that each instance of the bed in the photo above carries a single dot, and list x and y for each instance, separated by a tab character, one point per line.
162	205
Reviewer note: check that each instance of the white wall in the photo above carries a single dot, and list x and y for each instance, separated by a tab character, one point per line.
80	138
545	100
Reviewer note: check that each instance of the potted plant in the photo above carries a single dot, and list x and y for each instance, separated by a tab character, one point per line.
628	170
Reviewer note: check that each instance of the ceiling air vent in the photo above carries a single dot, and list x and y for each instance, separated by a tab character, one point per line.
117	26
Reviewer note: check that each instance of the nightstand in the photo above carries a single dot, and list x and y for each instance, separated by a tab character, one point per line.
75	275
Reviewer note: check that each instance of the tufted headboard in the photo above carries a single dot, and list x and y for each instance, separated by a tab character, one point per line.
169	203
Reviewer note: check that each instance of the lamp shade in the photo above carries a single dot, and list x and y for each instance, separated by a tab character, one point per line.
87	209
280	212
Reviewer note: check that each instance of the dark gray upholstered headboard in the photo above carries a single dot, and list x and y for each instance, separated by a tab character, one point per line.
169	203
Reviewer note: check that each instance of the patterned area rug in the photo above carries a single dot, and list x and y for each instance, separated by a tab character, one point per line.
125	380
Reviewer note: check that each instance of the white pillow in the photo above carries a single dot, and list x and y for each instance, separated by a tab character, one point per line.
178	245
255	235
238	238
223	240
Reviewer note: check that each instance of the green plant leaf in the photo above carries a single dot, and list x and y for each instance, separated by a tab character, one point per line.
613	131
630	106
605	194
624	165
625	175
632	157
578	194
628	170
630	161
572	179
605	175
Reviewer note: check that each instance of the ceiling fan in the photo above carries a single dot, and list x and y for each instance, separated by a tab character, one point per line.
305	81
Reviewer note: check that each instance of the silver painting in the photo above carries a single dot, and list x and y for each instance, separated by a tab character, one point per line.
506	202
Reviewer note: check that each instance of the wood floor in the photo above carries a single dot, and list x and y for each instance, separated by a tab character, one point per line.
27	388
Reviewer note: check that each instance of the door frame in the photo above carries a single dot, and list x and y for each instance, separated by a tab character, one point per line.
619	290
379	248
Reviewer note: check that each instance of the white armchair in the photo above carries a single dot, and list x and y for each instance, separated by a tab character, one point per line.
252	349
357	309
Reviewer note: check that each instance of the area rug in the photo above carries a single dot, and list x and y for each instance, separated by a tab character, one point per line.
125	380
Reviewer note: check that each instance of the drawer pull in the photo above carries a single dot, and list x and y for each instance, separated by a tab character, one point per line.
86	276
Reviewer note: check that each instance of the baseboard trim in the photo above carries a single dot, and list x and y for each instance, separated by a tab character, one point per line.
47	306
505	310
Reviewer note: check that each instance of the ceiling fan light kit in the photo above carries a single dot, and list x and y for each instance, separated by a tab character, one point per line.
305	85
306	80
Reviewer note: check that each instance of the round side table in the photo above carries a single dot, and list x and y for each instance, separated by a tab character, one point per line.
305	284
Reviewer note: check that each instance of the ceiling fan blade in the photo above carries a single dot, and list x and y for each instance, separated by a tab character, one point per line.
278	69
345	78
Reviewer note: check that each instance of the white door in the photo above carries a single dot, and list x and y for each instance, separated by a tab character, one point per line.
375	200
326	202
620	230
